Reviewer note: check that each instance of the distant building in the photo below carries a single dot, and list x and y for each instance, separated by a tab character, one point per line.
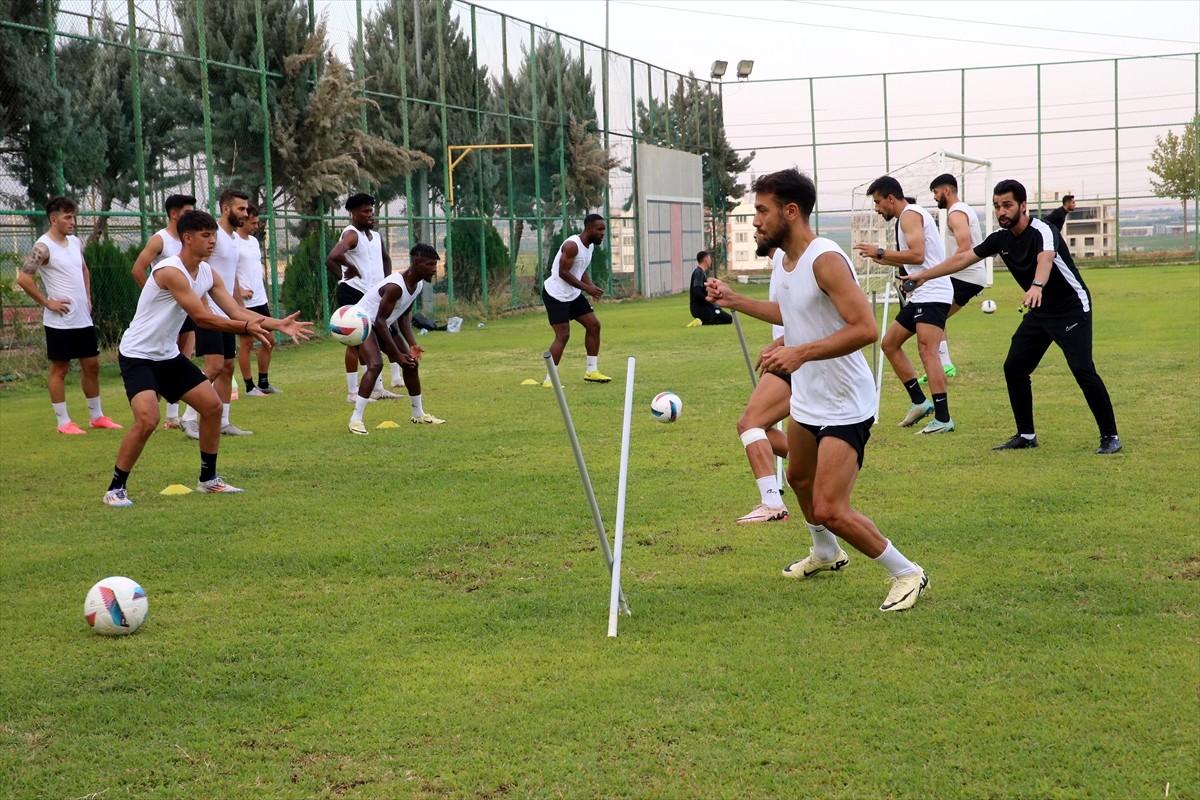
740	239
1091	229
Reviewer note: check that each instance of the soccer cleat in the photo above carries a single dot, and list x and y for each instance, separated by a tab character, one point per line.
1109	445
427	419
1017	442
696	323
353	398
807	567
547	384
398	384
949	369
217	486
269	389
172	424
256	392
384	394
191	428
229	429
357	426
105	422
117	498
764	513
937	426
71	429
595	376
905	591
916	412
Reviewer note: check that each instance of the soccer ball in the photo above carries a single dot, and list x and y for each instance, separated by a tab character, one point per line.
115	606
666	406
988	306
349	325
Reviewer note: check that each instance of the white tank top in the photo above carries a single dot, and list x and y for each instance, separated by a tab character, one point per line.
170	247
976	273
62	278
938	290
776	263
367	258
224	262
371	299
835	391
250	271
155	325
555	286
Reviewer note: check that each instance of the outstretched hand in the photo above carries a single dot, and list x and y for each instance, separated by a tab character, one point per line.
293	327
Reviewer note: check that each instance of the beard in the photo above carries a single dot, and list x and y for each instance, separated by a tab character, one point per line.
234	220
943	203
763	249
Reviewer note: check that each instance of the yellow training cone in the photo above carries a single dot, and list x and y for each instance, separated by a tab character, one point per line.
387	423
176	488
530	382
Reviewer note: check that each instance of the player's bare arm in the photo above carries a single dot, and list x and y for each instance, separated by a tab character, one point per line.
836	280
141	267
766	351
336	261
956	263
1045	263
387	259
290	325
719	293
396	349
87	281
38	257
405	323
960	226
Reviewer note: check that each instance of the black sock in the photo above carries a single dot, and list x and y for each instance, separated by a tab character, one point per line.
208	466
249	385
914	392
119	478
262	380
941	408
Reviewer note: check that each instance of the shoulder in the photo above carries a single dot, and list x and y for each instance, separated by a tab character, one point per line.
569	247
350	235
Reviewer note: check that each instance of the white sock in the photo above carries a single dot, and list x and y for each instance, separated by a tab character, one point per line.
1028	435
768	492
360	403
547	379
417	409
190	415
352	382
825	546
593	363
172	410
224	414
94	410
944	353
60	411
379	383
895	563
396	377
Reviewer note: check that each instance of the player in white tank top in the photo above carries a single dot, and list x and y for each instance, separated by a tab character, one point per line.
962	233
254	297
919	247
827	321
562	294
389	302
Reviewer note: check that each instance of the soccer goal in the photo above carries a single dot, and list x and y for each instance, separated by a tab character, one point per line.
974	176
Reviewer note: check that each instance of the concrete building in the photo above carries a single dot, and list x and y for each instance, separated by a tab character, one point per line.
1091	229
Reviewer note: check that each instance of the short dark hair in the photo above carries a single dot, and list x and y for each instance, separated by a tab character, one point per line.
229	195
789	186
1009	185
177	202
592	219
60	204
357	201
945	179
1067	198
703	254
886	186
194	221
912	201
251	211
422	250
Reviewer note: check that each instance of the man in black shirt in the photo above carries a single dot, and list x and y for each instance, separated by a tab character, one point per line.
1058	217
702	310
1060	312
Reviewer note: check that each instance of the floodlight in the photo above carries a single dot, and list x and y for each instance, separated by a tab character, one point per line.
718	68
744	69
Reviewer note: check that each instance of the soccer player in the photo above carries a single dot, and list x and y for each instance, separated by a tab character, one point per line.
1058	217
1060	312
704	312
359	261
67	319
919	246
964	233
151	363
827	321
563	295
389	304
254	295
217	345
164	244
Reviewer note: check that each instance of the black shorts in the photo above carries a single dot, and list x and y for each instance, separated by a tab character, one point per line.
64	344
215	343
264	310
347	295
786	377
964	291
559	311
172	378
856	434
923	313
188	326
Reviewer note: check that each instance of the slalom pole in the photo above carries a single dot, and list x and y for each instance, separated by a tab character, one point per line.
552	370
622	482
887	296
737	323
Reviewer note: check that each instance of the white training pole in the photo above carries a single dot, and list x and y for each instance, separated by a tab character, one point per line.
622	482
552	370
737	323
887	295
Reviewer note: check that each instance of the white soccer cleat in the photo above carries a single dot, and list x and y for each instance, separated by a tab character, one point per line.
384	394
191	428
256	392
427	419
117	498
764	513
357	426
353	398
172	424
905	591
217	486
229	429
807	567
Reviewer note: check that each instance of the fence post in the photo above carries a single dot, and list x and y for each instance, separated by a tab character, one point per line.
562	132
1116	165
441	55
60	184
135	76
205	105
268	188
512	227
537	159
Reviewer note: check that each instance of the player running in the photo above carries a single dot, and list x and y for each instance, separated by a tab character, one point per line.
562	294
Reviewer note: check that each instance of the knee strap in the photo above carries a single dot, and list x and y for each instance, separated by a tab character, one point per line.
753	435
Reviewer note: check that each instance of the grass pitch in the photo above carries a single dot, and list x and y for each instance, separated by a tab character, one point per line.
422	612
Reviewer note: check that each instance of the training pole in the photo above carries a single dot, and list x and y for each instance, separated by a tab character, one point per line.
552	370
737	323
622	481
887	296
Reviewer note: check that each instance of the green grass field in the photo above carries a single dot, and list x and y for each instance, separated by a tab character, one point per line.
422	612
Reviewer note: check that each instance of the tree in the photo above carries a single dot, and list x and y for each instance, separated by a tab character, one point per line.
1176	164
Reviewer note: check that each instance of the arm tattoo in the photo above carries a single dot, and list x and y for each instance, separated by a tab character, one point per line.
37	257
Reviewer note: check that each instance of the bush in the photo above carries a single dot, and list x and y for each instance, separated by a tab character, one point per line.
302	280
465	238
114	291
